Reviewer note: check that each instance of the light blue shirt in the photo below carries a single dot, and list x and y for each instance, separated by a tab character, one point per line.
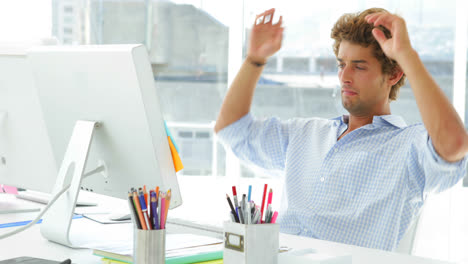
363	189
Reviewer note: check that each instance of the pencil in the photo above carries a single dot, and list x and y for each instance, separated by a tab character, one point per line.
232	209
139	212
162	211
145	193
133	213
157	192
168	202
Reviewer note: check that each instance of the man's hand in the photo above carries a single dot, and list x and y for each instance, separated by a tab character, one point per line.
442	122
399	44
265	38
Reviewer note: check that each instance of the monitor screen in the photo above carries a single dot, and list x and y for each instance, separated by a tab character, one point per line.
26	158
114	86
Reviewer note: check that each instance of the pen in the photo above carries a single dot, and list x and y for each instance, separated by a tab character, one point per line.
150	207
263	201
268	214
250	193
256	218
159	196
140	193
248	216
232	209
144	210
234	195
241	215
241	210
269	206
244	206
154	210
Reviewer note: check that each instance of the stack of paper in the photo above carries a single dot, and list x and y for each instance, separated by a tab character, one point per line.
180	248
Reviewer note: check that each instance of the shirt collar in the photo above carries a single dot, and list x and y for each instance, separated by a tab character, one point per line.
383	120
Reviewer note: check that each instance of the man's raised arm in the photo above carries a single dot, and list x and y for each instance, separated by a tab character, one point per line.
442	122
265	40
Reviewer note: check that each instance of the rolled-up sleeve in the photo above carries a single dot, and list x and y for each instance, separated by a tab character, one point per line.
430	171
257	142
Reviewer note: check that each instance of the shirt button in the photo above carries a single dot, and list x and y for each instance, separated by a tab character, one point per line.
322	179
305	230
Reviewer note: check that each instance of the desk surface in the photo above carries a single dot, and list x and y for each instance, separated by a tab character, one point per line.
31	243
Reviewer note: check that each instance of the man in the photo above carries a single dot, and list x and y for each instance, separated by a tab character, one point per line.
357	179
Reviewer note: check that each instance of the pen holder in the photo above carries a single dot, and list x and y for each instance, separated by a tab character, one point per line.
250	244
149	246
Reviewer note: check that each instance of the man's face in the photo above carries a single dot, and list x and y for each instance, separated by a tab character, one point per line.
364	89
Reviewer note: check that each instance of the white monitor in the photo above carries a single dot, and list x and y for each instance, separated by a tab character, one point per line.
26	158
111	86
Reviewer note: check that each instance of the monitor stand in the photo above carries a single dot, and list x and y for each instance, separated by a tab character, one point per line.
57	220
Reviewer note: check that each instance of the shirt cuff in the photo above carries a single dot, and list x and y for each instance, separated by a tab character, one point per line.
441	161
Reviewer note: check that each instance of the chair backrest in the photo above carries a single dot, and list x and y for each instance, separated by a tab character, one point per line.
407	242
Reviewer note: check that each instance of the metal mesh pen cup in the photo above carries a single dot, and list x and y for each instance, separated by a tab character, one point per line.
149	246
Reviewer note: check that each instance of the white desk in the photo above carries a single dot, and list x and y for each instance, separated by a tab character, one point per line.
31	243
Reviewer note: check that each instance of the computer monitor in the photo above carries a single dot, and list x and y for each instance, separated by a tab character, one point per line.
101	109
26	158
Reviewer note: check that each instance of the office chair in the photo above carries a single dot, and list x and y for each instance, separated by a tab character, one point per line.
407	242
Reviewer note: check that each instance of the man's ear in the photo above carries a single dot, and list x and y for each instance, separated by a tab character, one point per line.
395	76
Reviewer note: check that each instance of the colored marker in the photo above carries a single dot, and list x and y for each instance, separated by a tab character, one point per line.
273	219
270	197
234	195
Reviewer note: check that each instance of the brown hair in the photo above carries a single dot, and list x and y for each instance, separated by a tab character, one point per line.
355	29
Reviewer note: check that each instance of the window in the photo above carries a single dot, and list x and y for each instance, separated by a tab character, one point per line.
67	30
68	9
